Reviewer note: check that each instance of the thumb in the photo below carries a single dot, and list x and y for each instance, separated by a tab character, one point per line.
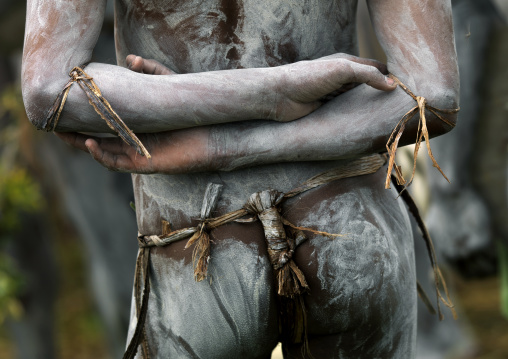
369	75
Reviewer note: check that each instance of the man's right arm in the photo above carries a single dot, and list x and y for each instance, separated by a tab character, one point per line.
62	34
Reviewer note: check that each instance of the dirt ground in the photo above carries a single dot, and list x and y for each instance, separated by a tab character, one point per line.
480	301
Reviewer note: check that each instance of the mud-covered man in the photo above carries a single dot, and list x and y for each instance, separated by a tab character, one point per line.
236	101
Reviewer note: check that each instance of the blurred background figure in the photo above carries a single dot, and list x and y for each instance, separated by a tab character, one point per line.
460	212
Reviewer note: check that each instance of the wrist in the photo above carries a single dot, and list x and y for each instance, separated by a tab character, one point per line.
219	149
274	95
236	145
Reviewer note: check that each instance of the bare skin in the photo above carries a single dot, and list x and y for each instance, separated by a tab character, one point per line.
363	299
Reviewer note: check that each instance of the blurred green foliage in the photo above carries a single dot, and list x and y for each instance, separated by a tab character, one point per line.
19	194
11	104
11	285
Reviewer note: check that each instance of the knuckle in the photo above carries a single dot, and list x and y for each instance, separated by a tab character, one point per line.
343	62
373	73
367	73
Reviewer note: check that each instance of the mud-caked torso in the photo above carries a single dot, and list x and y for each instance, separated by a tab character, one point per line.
373	261
198	35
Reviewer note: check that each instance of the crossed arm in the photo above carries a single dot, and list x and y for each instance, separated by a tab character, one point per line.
355	123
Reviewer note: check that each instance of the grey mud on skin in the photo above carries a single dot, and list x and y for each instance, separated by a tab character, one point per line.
211	123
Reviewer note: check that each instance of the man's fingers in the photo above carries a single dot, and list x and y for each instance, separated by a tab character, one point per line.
309	81
144	66
105	158
134	63
78	140
154	67
113	155
113	144
110	152
74	139
360	60
369	75
369	62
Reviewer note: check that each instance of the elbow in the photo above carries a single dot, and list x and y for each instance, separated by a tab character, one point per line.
39	95
33	106
441	91
445	101
38	101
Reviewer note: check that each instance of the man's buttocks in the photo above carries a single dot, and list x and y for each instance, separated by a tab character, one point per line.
361	283
194	36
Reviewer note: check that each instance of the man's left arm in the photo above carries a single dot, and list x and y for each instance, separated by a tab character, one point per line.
417	37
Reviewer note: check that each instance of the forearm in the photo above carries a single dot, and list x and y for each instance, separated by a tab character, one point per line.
62	34
356	123
149	103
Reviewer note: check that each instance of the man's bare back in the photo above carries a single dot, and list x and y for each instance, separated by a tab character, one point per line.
363	300
194	36
243	310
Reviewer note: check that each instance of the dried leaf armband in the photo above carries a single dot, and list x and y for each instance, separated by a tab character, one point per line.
422	133
100	105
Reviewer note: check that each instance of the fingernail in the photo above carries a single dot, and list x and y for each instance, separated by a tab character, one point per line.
389	81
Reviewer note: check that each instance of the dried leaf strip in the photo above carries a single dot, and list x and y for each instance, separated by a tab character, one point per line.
422	133
99	103
438	276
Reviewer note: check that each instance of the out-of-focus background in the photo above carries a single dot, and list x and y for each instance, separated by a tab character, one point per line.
68	232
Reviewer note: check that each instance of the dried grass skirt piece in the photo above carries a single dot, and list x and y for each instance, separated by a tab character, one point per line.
201	239
290	281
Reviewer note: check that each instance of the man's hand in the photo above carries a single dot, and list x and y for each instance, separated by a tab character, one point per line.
303	85
172	152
